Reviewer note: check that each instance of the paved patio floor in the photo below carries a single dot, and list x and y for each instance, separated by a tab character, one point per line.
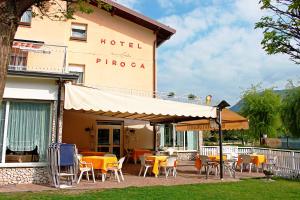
187	174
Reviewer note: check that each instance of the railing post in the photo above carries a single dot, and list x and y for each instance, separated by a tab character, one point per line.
293	160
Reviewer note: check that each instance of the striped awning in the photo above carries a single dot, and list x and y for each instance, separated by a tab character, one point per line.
230	121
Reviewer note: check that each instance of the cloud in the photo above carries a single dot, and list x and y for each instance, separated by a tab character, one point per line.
217	51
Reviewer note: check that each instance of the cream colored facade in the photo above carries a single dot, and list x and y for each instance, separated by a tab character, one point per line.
117	53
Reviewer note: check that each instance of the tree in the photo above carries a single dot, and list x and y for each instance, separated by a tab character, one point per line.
290	111
10	15
281	27
263	111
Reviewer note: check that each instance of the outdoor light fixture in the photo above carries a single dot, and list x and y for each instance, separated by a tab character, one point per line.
208	99
223	104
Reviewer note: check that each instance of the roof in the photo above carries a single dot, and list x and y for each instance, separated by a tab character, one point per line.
112	104
230	121
162	31
43	74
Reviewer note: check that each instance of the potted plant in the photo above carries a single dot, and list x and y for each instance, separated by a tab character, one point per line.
269	174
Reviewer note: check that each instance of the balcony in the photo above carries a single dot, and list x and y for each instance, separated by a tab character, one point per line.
37	57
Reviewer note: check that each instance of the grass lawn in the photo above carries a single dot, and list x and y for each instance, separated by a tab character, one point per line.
246	189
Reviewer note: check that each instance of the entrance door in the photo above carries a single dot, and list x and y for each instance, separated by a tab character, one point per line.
109	139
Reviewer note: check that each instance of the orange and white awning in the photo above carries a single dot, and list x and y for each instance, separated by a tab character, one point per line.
112	104
230	121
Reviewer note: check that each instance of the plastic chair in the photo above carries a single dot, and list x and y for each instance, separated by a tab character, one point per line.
169	165
271	162
246	161
85	167
208	164
110	155
145	164
117	168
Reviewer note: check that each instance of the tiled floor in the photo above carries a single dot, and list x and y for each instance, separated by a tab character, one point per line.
186	175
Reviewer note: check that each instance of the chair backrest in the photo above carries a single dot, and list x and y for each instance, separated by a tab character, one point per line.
148	154
79	157
171	161
110	155
142	159
246	158
120	162
203	158
272	160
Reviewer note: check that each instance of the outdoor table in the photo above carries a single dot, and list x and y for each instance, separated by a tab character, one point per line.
157	160
100	163
139	152
92	153
198	163
256	159
216	157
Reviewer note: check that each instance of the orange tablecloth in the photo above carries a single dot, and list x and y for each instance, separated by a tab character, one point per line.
92	153
255	159
139	152
157	160
99	162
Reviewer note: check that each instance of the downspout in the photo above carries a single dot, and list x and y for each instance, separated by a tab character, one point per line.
58	109
154	65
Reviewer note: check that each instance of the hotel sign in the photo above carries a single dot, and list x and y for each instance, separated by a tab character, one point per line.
120	59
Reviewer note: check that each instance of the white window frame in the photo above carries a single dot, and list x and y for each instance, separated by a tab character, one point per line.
27	23
79	69
3	164
78	26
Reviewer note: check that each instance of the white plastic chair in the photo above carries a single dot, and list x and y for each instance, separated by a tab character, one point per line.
271	162
144	165
110	155
246	161
85	167
117	168
170	165
208	164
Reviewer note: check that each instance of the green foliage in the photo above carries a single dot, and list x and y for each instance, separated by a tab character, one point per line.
61	12
263	111
291	112
281	27
192	97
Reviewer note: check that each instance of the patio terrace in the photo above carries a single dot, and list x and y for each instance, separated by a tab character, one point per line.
187	174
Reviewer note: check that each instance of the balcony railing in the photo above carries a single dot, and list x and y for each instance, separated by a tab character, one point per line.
37	56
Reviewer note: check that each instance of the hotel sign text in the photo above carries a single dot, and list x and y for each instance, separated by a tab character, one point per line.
119	60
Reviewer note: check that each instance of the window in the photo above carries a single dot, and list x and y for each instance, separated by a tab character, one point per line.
28	131
18	59
168	135
79	70
26	18
79	31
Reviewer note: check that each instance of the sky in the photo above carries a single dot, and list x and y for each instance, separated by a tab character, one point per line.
216	50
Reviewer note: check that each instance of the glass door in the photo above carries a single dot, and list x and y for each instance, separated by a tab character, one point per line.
109	139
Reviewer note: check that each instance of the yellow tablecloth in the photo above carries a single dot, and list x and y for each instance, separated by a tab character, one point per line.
256	159
157	160
100	162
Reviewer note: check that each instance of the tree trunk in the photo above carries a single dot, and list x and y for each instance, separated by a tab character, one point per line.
8	27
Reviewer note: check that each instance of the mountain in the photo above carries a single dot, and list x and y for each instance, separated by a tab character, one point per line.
237	107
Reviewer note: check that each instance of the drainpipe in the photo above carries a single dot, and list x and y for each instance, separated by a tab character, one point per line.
59	82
